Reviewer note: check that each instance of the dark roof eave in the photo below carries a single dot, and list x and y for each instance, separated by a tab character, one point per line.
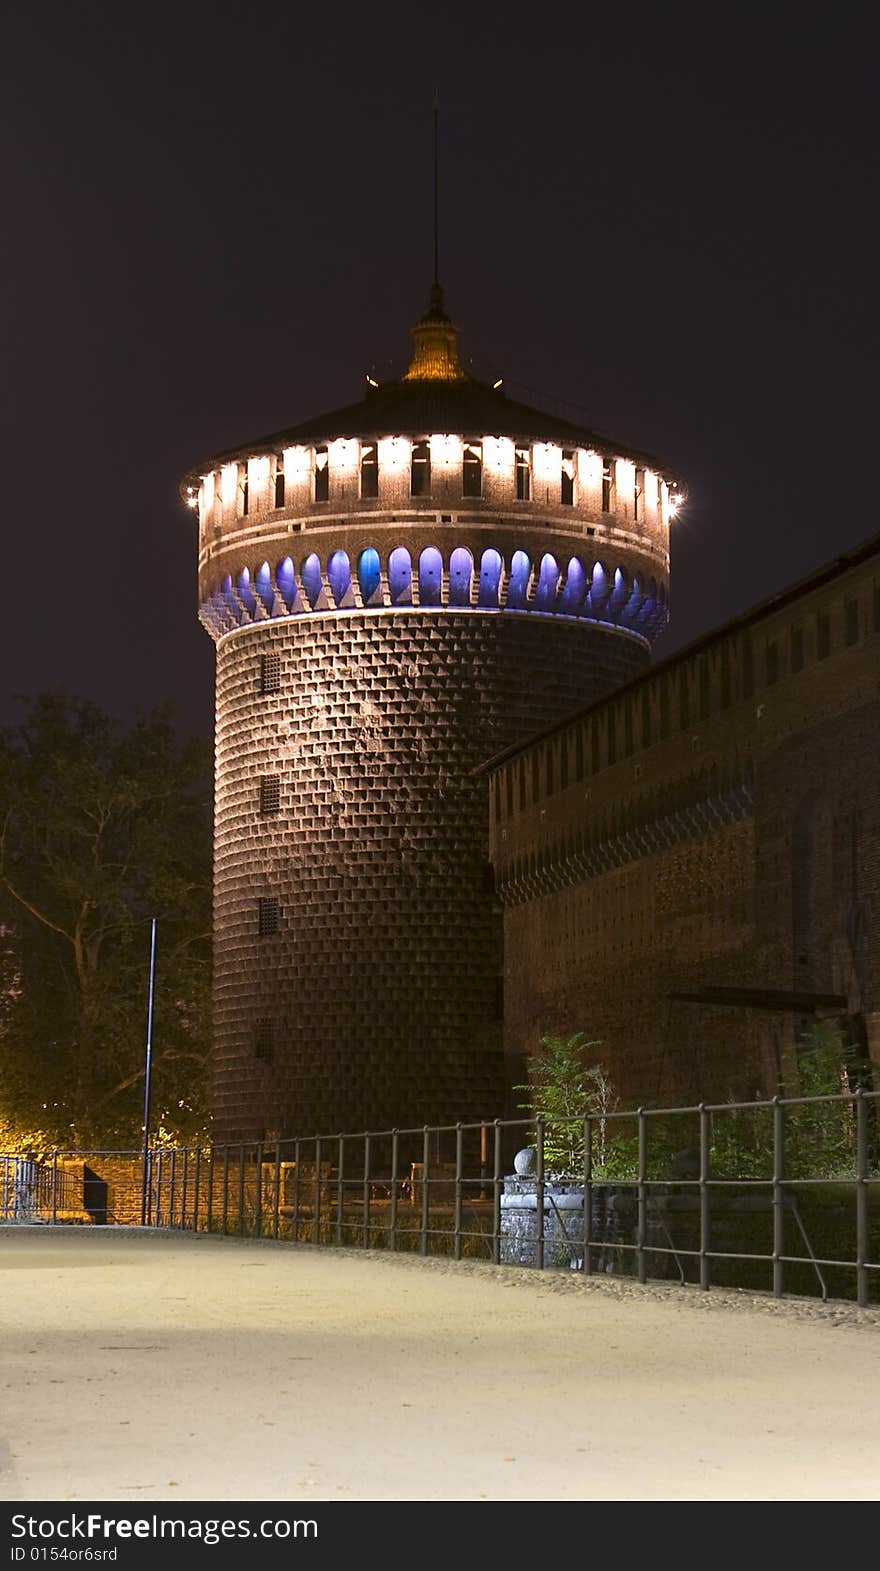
406	409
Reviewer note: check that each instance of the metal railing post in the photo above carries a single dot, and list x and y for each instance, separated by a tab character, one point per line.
276	1191
861	1198
209	1209
296	1161
539	1195
54	1187
340	1190
258	1219
241	1226
183	1187
778	1195
704	1197
318	1189
225	1190
496	1196
171	1183
365	1239
426	1157
587	1264
159	1188
392	1220
456	1232
196	1179
642	1221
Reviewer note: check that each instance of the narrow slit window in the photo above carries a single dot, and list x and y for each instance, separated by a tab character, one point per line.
851	622
566	491
245	495
420	473
607	486
267	916
638	491
523	475
270	795
370	470
270	673
279	482
472	469
322	474
264	1039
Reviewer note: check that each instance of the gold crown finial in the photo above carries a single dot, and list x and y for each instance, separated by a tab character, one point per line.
435	345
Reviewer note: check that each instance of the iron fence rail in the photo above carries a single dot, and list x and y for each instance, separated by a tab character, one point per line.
392	1188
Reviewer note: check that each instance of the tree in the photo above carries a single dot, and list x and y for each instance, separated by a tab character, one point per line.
563	1088
100	829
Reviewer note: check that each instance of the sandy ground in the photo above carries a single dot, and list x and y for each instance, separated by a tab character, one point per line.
138	1367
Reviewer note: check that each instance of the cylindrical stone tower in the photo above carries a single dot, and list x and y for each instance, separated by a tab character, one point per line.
397	591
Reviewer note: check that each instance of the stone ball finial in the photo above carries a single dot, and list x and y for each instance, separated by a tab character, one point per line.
526	1162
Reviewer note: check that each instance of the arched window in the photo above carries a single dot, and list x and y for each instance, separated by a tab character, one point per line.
370	470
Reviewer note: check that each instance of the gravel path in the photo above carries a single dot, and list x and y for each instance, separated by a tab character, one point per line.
137	1366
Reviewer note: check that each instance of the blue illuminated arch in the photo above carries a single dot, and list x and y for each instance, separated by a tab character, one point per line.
430	576
400	576
490	577
461	572
518	586
370	576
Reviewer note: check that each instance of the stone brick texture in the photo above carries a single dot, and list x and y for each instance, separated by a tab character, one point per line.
717	822
377	1002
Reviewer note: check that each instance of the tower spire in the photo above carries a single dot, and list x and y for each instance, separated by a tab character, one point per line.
436	191
435	349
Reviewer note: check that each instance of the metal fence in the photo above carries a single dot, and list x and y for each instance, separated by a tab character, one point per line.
781	1195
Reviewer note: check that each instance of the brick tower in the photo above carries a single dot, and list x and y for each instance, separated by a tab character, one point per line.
397	590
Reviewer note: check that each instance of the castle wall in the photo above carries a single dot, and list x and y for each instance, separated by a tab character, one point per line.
717	823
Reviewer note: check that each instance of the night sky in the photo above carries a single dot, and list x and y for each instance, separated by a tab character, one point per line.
216	218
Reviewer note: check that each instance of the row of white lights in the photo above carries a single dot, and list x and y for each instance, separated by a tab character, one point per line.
395	455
